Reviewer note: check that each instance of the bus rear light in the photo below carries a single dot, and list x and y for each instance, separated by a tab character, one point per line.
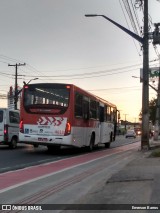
68	129
21	126
5	132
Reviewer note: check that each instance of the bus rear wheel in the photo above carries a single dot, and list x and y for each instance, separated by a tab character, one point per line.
91	144
107	145
53	149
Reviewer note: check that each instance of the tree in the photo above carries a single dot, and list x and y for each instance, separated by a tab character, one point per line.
152	110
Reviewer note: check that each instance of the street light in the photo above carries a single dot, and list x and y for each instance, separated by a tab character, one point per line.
30	81
26	84
145	89
137	37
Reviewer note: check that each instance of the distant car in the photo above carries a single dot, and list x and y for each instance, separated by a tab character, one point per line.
138	131
130	134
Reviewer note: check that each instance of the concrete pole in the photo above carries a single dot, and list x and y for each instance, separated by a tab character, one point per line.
145	87
157	121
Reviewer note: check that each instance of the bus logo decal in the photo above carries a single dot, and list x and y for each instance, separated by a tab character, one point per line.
26	131
56	121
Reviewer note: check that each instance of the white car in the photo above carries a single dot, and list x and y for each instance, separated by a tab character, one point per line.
9	127
130	134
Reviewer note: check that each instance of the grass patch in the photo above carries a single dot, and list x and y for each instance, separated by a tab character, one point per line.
155	153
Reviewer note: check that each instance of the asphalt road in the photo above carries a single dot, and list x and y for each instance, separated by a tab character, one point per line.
27	155
68	181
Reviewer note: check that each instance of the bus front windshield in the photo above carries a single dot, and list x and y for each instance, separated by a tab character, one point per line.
51	98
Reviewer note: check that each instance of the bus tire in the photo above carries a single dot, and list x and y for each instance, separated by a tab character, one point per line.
91	144
107	145
35	145
13	143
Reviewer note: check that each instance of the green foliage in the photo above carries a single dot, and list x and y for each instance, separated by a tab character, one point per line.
152	110
155	153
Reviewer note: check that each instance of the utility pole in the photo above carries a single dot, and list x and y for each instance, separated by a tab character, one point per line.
145	87
156	40
16	84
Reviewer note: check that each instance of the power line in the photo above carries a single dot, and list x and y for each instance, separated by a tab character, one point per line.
8	58
129	27
136	16
89	73
113	88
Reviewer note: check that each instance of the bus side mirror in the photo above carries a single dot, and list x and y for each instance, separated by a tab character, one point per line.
119	116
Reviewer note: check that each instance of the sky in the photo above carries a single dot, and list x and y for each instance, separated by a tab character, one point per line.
59	44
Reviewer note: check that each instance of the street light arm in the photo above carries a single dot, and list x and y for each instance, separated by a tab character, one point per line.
153	88
26	84
32	80
91	15
135	36
148	84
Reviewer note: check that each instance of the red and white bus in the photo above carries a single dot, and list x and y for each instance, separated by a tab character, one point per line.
55	115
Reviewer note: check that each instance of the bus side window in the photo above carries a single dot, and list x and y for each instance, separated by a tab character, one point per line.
115	115
111	116
101	114
86	115
98	112
78	104
108	113
93	109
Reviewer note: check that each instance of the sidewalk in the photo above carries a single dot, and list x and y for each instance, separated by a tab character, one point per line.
137	183
154	144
